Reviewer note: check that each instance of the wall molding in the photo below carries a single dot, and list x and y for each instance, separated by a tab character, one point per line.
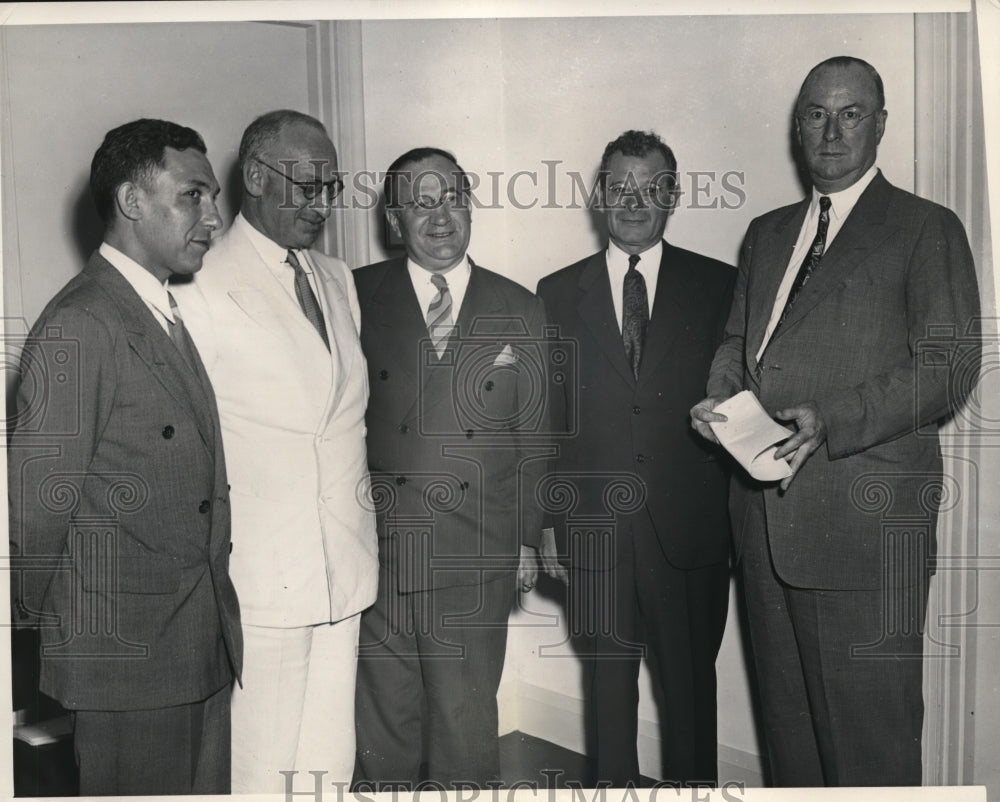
557	717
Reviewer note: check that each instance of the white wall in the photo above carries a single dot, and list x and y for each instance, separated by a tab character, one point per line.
69	84
508	95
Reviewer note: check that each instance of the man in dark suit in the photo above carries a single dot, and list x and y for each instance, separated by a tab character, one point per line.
119	505
645	318
457	394
851	320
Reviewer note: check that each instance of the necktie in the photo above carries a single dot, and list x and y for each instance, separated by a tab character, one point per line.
307	298
439	320
179	334
811	262
635	314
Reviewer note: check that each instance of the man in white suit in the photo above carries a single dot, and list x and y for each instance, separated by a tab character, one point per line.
277	326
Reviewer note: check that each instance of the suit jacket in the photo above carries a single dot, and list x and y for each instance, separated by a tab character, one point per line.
293	426
119	508
456	445
635	436
881	339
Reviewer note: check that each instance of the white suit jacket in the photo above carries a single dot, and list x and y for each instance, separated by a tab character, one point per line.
293	427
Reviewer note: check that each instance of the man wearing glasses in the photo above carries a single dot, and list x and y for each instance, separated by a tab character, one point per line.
853	322
646	317
277	326
457	396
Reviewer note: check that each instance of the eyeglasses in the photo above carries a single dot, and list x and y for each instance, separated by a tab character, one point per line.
657	194
311	189
848	118
424	205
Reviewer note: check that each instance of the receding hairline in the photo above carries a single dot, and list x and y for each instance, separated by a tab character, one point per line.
844	63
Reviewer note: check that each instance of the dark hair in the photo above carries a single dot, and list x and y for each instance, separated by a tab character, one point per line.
262	132
390	186
638	143
132	153
843	62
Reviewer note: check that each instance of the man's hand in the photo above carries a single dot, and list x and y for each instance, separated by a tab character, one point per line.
527	569
702	415
550	557
811	435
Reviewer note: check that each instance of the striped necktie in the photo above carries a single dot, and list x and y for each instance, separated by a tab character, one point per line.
439	320
307	298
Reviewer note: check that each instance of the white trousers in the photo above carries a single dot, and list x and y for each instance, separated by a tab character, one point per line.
295	711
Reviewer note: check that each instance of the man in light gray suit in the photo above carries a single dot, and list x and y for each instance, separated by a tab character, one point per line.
119	511
277	324
852	320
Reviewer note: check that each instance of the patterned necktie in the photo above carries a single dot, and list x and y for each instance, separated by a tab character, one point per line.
812	259
307	298
439	320
635	314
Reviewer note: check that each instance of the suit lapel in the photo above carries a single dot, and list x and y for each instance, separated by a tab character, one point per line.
480	301
596	309
773	249
396	322
864	229
189	387
667	310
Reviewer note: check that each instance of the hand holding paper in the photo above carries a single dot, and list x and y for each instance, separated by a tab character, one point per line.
752	437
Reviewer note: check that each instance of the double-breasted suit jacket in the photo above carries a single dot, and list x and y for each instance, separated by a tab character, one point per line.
292	421
119	506
880	339
456	445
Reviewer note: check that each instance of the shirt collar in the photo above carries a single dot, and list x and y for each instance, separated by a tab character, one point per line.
649	259
141	280
841	203
270	251
458	273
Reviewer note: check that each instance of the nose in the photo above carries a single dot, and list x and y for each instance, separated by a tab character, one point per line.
831	129
634	201
212	218
323	203
440	215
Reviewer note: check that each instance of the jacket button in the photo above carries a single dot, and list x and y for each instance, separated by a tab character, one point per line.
383	374
489	386
205	506
400	480
168	432
468	434
403	428
636	409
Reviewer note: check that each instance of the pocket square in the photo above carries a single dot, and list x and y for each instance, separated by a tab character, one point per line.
506	356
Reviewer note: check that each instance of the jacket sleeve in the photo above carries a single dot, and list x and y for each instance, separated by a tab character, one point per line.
942	308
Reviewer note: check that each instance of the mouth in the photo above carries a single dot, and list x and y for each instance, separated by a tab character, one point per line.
203	244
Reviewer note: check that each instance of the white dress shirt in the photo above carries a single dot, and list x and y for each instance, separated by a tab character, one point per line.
149	289
648	266
457	277
275	257
841	205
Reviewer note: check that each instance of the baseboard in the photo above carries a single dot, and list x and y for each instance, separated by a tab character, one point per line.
558	717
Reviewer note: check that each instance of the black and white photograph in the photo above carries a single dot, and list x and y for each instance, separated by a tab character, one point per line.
501	399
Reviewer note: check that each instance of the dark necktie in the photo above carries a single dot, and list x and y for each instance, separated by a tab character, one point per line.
439	319
307	298
179	334
635	314
812	259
